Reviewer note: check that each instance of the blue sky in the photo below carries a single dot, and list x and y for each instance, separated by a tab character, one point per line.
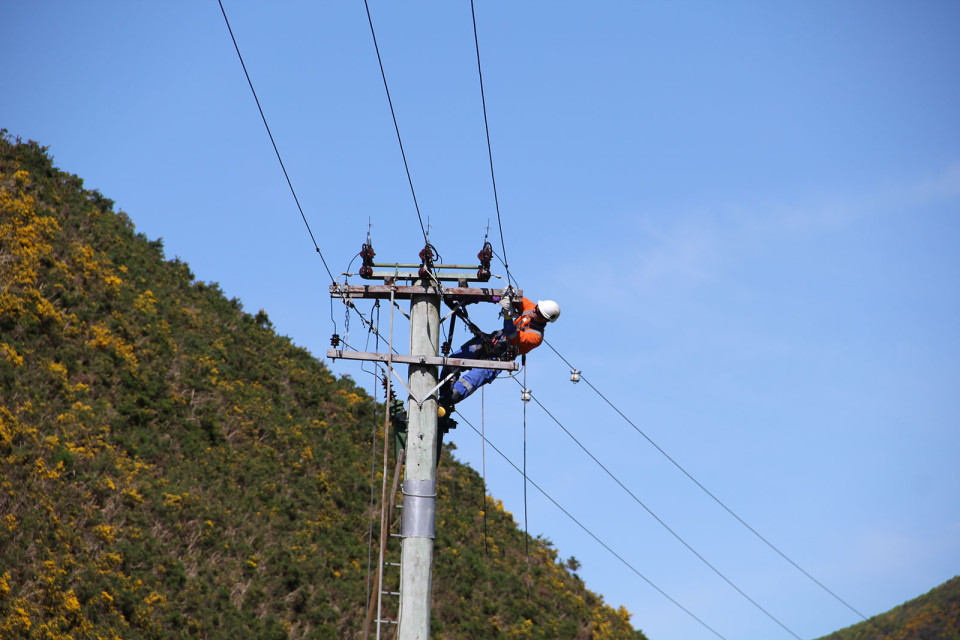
748	211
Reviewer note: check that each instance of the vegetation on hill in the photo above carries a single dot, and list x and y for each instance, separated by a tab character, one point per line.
171	467
933	616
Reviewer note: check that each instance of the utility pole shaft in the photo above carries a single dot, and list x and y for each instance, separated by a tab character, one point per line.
420	479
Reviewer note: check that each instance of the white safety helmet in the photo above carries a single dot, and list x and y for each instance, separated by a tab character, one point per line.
548	309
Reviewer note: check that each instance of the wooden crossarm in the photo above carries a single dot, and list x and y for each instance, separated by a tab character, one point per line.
442	361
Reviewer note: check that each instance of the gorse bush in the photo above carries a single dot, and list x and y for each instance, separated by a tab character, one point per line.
170	467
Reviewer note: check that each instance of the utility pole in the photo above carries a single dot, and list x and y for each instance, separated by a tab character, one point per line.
420	477
418	528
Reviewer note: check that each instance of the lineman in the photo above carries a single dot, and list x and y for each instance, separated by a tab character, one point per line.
523	325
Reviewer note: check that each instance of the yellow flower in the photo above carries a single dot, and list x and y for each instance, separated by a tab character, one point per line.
106	533
10	355
70	602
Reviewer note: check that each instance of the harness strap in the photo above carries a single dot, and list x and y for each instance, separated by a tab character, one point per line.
458	309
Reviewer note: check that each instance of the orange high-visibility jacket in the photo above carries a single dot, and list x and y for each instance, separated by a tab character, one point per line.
528	333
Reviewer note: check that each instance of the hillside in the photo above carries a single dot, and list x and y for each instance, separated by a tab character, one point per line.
171	467
933	616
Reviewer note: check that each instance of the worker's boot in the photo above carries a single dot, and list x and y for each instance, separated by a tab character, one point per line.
448	398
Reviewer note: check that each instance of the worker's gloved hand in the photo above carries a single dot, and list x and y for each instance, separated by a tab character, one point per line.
507	304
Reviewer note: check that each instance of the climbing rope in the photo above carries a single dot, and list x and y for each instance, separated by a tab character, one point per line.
386	464
373	473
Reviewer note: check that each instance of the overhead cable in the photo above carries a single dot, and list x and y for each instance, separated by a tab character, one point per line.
273	142
593	535
707	491
395	125
659	520
276	150
486	126
701	486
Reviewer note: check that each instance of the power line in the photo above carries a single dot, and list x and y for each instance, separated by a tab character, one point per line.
701	486
664	453
662	523
707	491
506	267
659	520
590	533
395	125
273	142
420	218
276	150
510	279
486	126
